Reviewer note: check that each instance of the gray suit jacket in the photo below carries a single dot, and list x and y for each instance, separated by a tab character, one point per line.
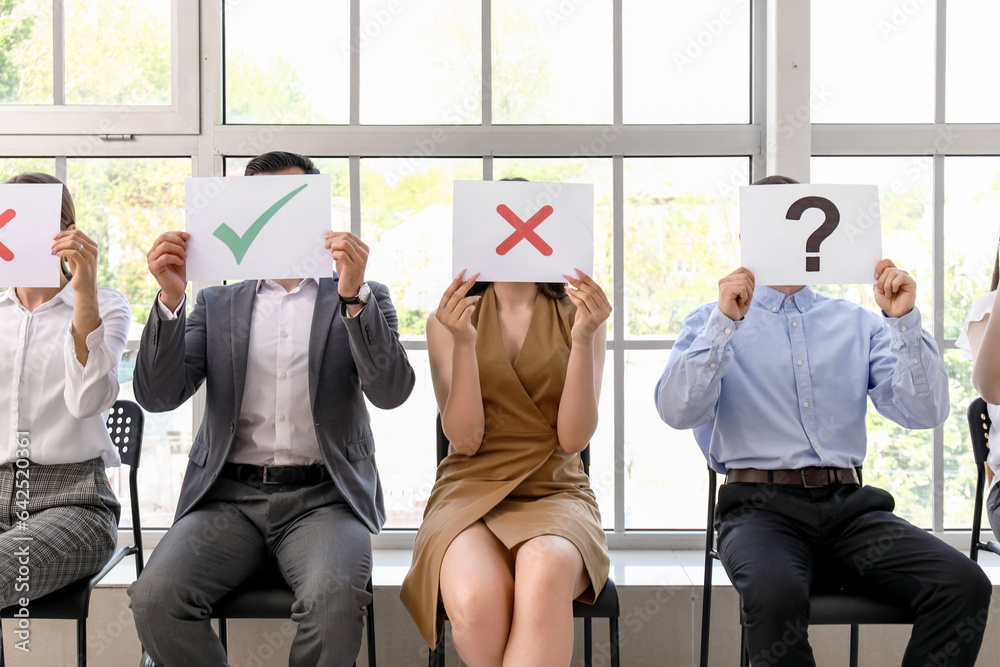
346	357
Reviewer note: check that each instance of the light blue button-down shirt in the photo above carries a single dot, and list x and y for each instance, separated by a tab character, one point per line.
786	386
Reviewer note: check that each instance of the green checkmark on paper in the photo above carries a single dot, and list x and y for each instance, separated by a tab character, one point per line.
239	245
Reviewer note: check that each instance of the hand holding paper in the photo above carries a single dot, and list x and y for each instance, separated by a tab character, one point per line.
736	294
592	306
455	309
895	289
167	261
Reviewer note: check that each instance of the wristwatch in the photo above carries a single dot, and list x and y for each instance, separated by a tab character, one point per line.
364	295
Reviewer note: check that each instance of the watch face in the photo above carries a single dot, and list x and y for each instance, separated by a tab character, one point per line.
365	293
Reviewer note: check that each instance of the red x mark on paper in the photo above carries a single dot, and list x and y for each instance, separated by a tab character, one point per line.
5	252
524	230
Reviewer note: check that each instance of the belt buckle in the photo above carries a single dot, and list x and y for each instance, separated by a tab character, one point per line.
264	477
807	485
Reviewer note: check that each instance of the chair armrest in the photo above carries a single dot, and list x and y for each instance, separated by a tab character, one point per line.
992	546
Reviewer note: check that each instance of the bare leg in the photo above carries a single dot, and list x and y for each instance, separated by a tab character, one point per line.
549	575
477	588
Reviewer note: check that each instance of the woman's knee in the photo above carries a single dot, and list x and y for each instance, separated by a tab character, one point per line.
473	602
548	564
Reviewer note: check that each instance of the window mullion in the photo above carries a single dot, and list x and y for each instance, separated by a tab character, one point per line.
58	53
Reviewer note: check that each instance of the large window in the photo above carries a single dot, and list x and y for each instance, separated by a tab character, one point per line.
662	105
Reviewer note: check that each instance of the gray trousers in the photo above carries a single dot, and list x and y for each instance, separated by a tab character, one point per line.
993	509
71	530
309	532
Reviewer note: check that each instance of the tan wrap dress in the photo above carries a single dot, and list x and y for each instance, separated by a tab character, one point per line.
521	483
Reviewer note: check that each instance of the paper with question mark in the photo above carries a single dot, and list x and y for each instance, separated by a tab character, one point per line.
810	234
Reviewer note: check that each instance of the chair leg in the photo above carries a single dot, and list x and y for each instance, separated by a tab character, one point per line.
224	635
744	651
371	627
2	663
81	642
613	631
588	643
854	645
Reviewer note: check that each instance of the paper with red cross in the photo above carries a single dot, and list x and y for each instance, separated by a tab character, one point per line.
29	219
523	231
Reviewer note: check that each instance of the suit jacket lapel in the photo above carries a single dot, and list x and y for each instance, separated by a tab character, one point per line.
243	297
326	311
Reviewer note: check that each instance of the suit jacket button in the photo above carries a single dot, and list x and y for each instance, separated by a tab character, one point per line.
232	428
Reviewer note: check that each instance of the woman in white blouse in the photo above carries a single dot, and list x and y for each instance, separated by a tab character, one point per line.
980	338
59	354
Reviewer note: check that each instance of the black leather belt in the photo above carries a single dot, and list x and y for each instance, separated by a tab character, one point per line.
245	472
807	477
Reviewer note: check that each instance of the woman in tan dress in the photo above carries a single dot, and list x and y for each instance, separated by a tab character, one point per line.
512	534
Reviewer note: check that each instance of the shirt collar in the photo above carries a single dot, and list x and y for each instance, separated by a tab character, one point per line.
771	299
65	295
267	283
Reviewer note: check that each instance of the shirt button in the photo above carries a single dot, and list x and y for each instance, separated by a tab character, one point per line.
284	334
916	361
284	375
903	329
281	418
789	301
805	404
712	365
799	362
802	309
774	308
795	324
729	331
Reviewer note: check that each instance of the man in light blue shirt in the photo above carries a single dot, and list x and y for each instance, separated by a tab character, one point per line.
774	381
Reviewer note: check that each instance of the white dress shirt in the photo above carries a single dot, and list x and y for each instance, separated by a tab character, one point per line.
58	404
275	426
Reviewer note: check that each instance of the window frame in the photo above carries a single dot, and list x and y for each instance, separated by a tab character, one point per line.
115	122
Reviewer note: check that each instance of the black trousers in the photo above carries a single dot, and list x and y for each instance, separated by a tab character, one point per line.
779	542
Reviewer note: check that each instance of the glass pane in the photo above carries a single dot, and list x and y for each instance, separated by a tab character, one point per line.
971	221
686	62
12	166
959	464
971	51
681	235
598	171
421	62
405	447
551	61
905	186
25	52
873	61
118	52
666	476
406	221
124	204
340	185
272	78
602	447
899	459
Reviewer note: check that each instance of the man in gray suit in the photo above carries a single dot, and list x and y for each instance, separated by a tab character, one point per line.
282	472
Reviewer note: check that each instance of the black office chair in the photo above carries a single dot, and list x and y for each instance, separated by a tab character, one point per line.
826	608
269	596
72	602
605	606
979	431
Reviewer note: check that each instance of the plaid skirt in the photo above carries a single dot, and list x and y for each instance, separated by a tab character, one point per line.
58	523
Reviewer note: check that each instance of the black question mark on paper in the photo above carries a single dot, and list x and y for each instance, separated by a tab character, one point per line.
829	209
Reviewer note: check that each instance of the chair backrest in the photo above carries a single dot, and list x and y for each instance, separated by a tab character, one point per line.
125	425
443	445
979	430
